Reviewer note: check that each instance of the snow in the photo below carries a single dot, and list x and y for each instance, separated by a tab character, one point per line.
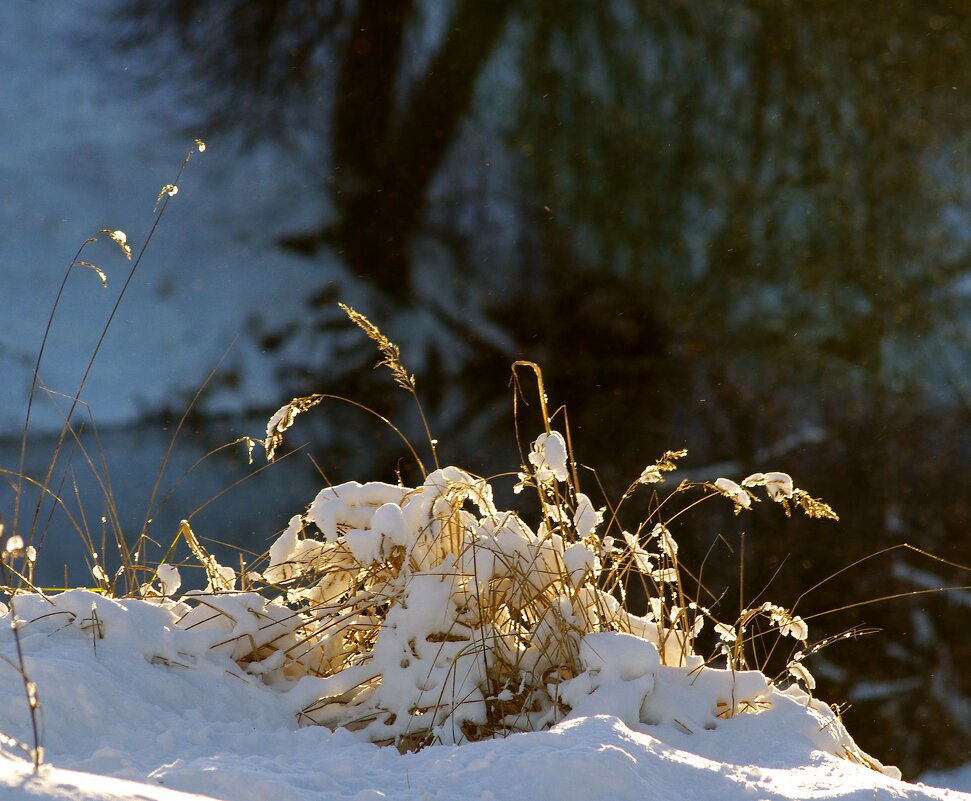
732	490
958	779
152	708
778	485
548	455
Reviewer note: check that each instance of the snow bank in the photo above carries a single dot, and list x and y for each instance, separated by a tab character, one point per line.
141	707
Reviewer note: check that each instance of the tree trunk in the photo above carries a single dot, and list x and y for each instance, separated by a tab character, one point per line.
386	159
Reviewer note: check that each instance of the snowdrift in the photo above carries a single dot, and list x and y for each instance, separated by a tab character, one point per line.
135	704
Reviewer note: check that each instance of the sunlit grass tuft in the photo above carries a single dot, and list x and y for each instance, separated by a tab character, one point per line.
514	593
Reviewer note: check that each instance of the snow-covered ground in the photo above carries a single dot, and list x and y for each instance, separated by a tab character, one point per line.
132	706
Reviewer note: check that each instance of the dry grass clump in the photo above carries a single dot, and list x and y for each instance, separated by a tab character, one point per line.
430	615
426	614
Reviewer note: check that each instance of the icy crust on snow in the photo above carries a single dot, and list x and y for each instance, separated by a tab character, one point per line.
115	703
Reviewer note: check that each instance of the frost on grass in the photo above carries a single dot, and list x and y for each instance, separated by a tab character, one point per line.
741	497
167	191
283	419
419	615
120	238
654	473
548	458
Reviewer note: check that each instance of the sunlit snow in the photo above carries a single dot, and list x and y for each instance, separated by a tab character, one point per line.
152	707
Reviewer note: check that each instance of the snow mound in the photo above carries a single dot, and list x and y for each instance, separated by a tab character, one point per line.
139	705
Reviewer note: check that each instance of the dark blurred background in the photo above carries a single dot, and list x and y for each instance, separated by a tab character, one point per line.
738	227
